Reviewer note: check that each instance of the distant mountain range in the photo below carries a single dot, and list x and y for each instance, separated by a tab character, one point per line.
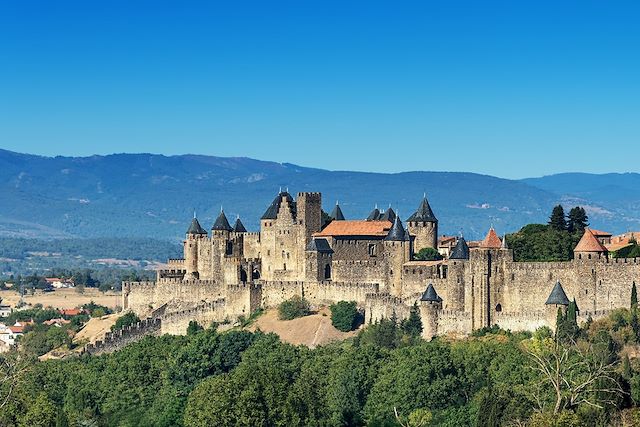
148	195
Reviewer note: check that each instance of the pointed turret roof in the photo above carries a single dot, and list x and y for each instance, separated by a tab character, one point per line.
195	227
396	233
504	242
222	223
239	227
274	207
374	215
461	250
557	296
430	294
491	240
319	245
589	243
388	215
424	213
336	213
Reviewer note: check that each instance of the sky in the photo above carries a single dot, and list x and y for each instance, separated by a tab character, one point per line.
512	89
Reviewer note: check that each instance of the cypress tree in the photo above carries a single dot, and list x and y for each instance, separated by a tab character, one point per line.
557	220
634	297
560	325
413	324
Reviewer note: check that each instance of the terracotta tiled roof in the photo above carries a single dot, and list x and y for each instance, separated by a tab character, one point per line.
70	311
589	243
612	247
491	241
599	233
356	228
17	329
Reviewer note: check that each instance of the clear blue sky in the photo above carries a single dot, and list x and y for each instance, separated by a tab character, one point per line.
509	88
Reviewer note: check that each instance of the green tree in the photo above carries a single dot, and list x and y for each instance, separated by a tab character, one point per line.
127	319
634	297
428	254
577	220
344	315
193	328
412	325
557	219
293	308
41	413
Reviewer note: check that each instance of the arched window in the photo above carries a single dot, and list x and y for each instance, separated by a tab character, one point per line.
255	275
243	275
327	272
498	308
229	248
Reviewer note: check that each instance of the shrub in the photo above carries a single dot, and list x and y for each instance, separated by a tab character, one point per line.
128	319
344	315
293	308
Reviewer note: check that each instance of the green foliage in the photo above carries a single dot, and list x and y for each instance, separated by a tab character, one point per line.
428	254
631	251
537	242
242	378
577	220
41	339
127	319
194	328
634	297
38	314
294	308
344	315
412	325
557	220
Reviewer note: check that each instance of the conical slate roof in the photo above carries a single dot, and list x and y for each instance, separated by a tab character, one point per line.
491	241
557	296
239	227
222	223
424	213
336	213
195	227
397	232
319	245
589	243
388	215
461	250
374	215
430	294
274	207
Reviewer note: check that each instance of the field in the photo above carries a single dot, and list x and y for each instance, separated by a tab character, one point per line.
64	298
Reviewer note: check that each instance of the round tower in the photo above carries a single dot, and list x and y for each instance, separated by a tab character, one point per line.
194	234
423	224
397	247
430	305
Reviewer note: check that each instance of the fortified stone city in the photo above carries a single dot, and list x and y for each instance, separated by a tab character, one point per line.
231	272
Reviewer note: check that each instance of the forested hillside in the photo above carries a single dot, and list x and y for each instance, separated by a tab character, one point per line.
386	376
147	195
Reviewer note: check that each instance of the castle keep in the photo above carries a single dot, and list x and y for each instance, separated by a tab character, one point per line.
230	272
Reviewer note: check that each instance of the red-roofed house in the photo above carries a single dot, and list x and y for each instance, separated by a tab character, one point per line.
70	311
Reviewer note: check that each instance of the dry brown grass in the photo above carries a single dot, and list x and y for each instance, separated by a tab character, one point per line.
64	298
312	331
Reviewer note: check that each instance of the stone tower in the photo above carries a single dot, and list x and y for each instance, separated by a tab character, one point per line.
221	245
397	247
423	224
456	270
195	235
318	260
589	247
557	300
430	305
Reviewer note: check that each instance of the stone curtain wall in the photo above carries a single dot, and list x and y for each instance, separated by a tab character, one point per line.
114	341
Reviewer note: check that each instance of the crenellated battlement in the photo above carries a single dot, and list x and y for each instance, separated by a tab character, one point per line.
116	340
